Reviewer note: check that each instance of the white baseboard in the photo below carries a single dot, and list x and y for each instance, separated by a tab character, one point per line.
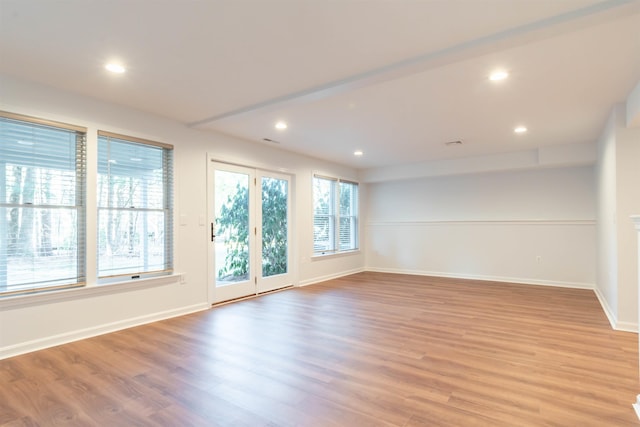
329	277
67	337
606	308
613	321
626	327
518	280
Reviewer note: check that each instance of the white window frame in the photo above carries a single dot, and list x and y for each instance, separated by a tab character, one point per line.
78	159
334	217
167	210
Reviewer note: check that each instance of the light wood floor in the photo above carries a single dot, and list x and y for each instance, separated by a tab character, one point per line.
369	349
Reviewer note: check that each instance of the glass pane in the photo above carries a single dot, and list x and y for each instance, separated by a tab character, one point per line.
41	206
232	227
322	233
323	196
323	214
346	199
41	247
39	186
348	216
274	226
29	145
134	205
130	241
347	233
130	175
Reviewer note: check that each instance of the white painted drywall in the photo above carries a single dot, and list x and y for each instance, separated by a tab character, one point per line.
532	226
618	175
627	204
633	108
607	239
551	156
44	320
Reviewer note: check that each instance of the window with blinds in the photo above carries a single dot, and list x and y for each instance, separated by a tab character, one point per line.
135	207
42	204
335	215
348	233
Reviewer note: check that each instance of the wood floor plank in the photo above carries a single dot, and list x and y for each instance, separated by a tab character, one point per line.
370	349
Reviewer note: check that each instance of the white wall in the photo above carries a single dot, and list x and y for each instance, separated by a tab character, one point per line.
618	176
49	319
628	203
633	107
530	226
532	222
628	182
607	238
570	154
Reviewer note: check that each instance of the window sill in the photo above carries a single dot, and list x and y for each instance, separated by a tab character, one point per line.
86	291
329	255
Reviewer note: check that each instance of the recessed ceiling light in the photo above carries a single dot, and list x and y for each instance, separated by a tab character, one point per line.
358	153
498	75
281	125
115	68
520	129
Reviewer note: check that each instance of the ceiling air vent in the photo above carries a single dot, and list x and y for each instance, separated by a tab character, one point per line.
270	140
457	142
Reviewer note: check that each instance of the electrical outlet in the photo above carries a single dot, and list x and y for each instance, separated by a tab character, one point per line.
538	259
183	278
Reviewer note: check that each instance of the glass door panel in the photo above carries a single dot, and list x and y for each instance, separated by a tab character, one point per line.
274	235
233	232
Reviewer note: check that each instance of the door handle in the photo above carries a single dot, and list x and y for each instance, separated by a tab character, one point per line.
213	236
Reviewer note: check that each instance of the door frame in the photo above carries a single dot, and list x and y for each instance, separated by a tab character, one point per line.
242	288
210	215
271	283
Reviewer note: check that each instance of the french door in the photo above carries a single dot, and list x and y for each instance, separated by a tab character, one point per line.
249	213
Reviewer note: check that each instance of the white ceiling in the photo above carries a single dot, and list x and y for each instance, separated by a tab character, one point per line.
396	79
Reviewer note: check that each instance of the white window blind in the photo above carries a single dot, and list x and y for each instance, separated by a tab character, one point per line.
135	207
335	215
42	204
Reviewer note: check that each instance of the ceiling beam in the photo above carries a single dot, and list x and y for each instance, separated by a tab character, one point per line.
538	30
